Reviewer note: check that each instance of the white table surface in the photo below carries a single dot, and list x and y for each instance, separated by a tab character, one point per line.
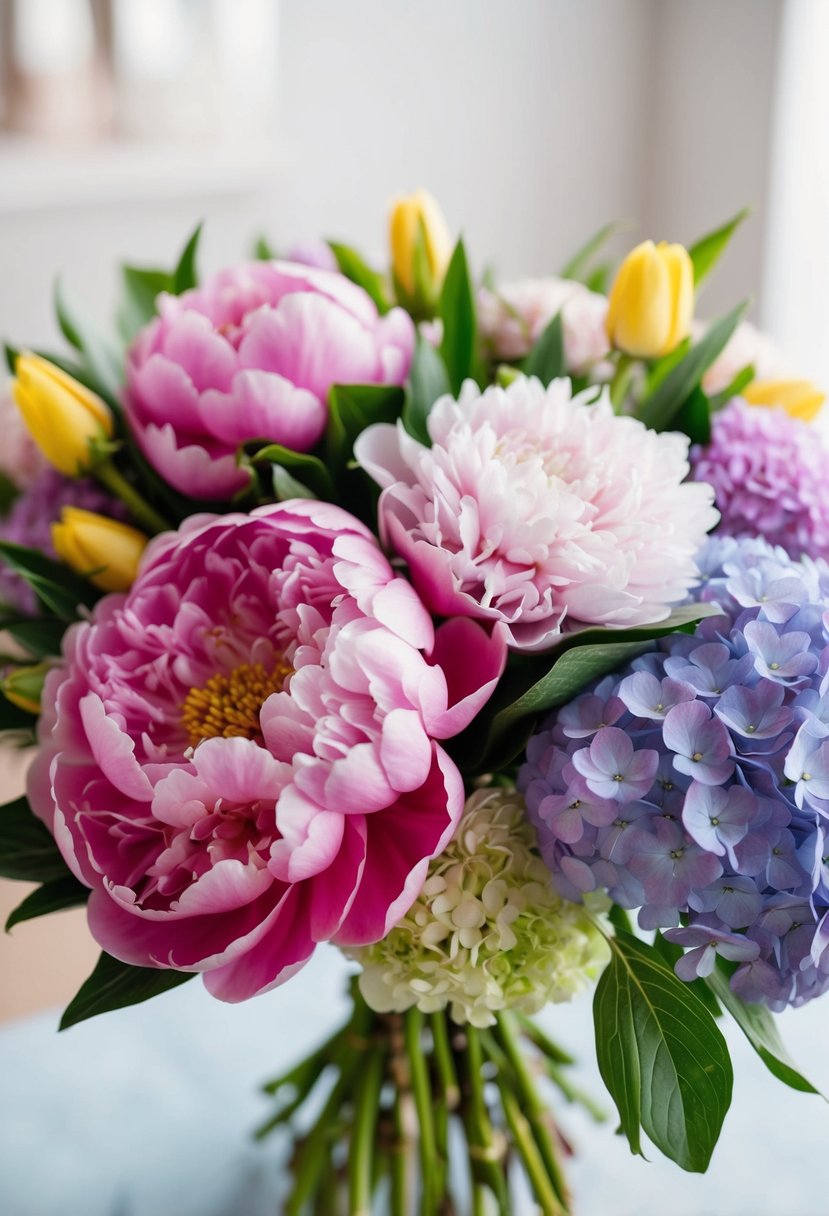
148	1112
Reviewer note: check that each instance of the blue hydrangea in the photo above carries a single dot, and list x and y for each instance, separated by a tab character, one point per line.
694	784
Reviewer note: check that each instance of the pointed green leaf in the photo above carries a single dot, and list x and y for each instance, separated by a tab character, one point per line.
743	378
114	985
427	381
661	1055
759	1027
56	586
460	331
708	250
578	265
694	419
546	359
185	275
309	470
54	896
99	357
659	408
11	353
353	407
27	851
353	266
41	638
263	251
142	286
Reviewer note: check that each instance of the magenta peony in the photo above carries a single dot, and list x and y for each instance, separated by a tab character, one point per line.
252	355
540	510
239	756
513	317
770	474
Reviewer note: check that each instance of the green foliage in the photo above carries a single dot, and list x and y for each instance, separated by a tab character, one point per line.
743	378
27	851
114	985
428	380
41	637
101	365
760	1028
661	1055
185	275
546	359
355	268
459	346
305	472
353	407
141	287
58	588
54	896
708	250
661	406
578	267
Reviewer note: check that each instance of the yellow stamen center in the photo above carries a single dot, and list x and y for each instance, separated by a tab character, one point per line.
228	705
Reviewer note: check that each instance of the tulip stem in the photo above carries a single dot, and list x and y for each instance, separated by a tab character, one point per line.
141	511
620	383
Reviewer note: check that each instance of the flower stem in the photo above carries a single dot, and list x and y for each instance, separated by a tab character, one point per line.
522	1136
366	1111
402	1172
421	1090
444	1060
485	1155
141	511
620	383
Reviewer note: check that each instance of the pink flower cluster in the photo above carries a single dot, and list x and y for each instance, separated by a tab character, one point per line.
251	355
513	317
540	510
240	757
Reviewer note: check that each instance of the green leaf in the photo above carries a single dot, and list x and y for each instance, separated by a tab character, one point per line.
460	331
353	266
12	717
142	286
312	473
671	952
57	587
263	251
11	353
546	359
694	419
661	1055
8	493
353	407
286	487
185	275
539	683
114	985
760	1028
99	358
708	250
660	407
577	267
40	637
54	896
27	851
427	381
743	378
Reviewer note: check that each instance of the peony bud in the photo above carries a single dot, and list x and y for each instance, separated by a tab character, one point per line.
63	417
799	398
102	549
421	248
652	300
23	686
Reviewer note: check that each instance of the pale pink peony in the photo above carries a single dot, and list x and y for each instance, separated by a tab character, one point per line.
747	345
539	510
251	355
239	756
513	318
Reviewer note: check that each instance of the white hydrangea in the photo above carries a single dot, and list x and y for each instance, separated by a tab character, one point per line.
487	931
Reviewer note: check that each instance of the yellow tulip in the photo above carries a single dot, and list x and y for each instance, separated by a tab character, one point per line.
23	686
419	269
800	398
63	416
652	300
103	550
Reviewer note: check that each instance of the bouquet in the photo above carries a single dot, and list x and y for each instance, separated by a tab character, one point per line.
480	629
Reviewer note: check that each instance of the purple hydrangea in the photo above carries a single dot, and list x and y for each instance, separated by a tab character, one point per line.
694	784
29	522
770	474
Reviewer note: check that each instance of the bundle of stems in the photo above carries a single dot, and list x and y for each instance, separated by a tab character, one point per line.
412	1115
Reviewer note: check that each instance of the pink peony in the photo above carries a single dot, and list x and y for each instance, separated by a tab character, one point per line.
252	355
239	756
513	318
540	510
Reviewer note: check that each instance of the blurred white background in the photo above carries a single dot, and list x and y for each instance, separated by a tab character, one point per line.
533	123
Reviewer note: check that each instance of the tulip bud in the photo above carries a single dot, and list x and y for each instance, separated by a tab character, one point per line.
421	248
652	300
103	550
799	398
23	686
63	417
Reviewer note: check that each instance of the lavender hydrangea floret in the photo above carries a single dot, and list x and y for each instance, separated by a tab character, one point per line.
694	784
